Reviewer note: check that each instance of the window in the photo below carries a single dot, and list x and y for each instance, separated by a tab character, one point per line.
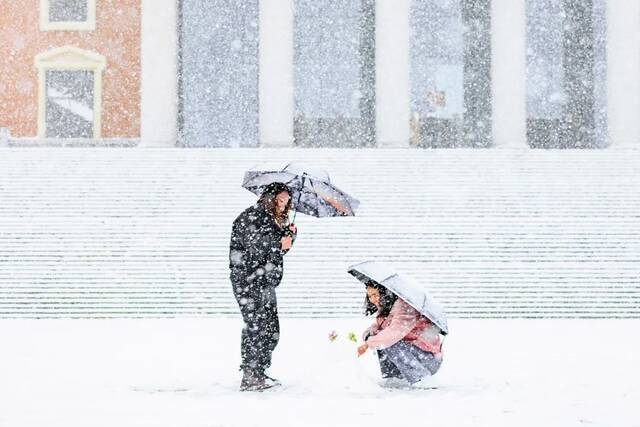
69	104
69	93
566	74
450	79
334	73
69	15
219	104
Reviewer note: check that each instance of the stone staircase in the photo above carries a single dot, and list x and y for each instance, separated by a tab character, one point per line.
132	232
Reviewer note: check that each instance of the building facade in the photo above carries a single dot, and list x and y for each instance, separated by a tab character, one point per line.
349	73
70	69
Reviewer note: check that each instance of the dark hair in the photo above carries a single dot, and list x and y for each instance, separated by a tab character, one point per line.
275	188
268	201
387	299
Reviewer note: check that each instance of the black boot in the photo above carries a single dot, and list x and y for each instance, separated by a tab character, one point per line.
271	381
253	381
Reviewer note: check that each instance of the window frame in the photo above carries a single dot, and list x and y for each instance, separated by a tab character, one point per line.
73	59
47	25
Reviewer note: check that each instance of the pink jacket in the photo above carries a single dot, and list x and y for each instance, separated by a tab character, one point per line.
404	323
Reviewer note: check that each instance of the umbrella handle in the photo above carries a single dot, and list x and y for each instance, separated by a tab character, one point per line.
295	211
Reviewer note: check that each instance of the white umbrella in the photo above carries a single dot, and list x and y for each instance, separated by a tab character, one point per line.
404	287
313	193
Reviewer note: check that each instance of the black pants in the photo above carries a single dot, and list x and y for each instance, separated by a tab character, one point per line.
261	330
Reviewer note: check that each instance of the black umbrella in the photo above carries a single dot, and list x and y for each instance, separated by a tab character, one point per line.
312	191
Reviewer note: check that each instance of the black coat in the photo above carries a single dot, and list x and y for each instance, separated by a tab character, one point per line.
255	254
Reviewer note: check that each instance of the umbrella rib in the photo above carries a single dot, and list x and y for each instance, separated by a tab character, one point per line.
317	198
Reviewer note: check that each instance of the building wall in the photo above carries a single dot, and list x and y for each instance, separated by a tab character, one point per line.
617	89
117	37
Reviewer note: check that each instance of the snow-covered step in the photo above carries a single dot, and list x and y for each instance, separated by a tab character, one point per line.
492	233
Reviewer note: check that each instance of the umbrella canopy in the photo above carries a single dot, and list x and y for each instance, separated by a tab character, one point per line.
404	287
312	190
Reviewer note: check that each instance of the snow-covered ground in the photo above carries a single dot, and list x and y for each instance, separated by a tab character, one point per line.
95	232
183	372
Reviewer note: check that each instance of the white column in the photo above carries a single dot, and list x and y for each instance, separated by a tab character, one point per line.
508	73
276	73
623	72
159	86
392	73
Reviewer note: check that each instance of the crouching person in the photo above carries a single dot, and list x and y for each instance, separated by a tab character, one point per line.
407	343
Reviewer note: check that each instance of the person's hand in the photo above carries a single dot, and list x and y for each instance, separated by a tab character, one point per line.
286	243
291	231
362	349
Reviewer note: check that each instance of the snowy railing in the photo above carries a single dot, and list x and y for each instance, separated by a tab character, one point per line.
491	233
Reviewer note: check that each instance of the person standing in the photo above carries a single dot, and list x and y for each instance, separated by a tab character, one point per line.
260	238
